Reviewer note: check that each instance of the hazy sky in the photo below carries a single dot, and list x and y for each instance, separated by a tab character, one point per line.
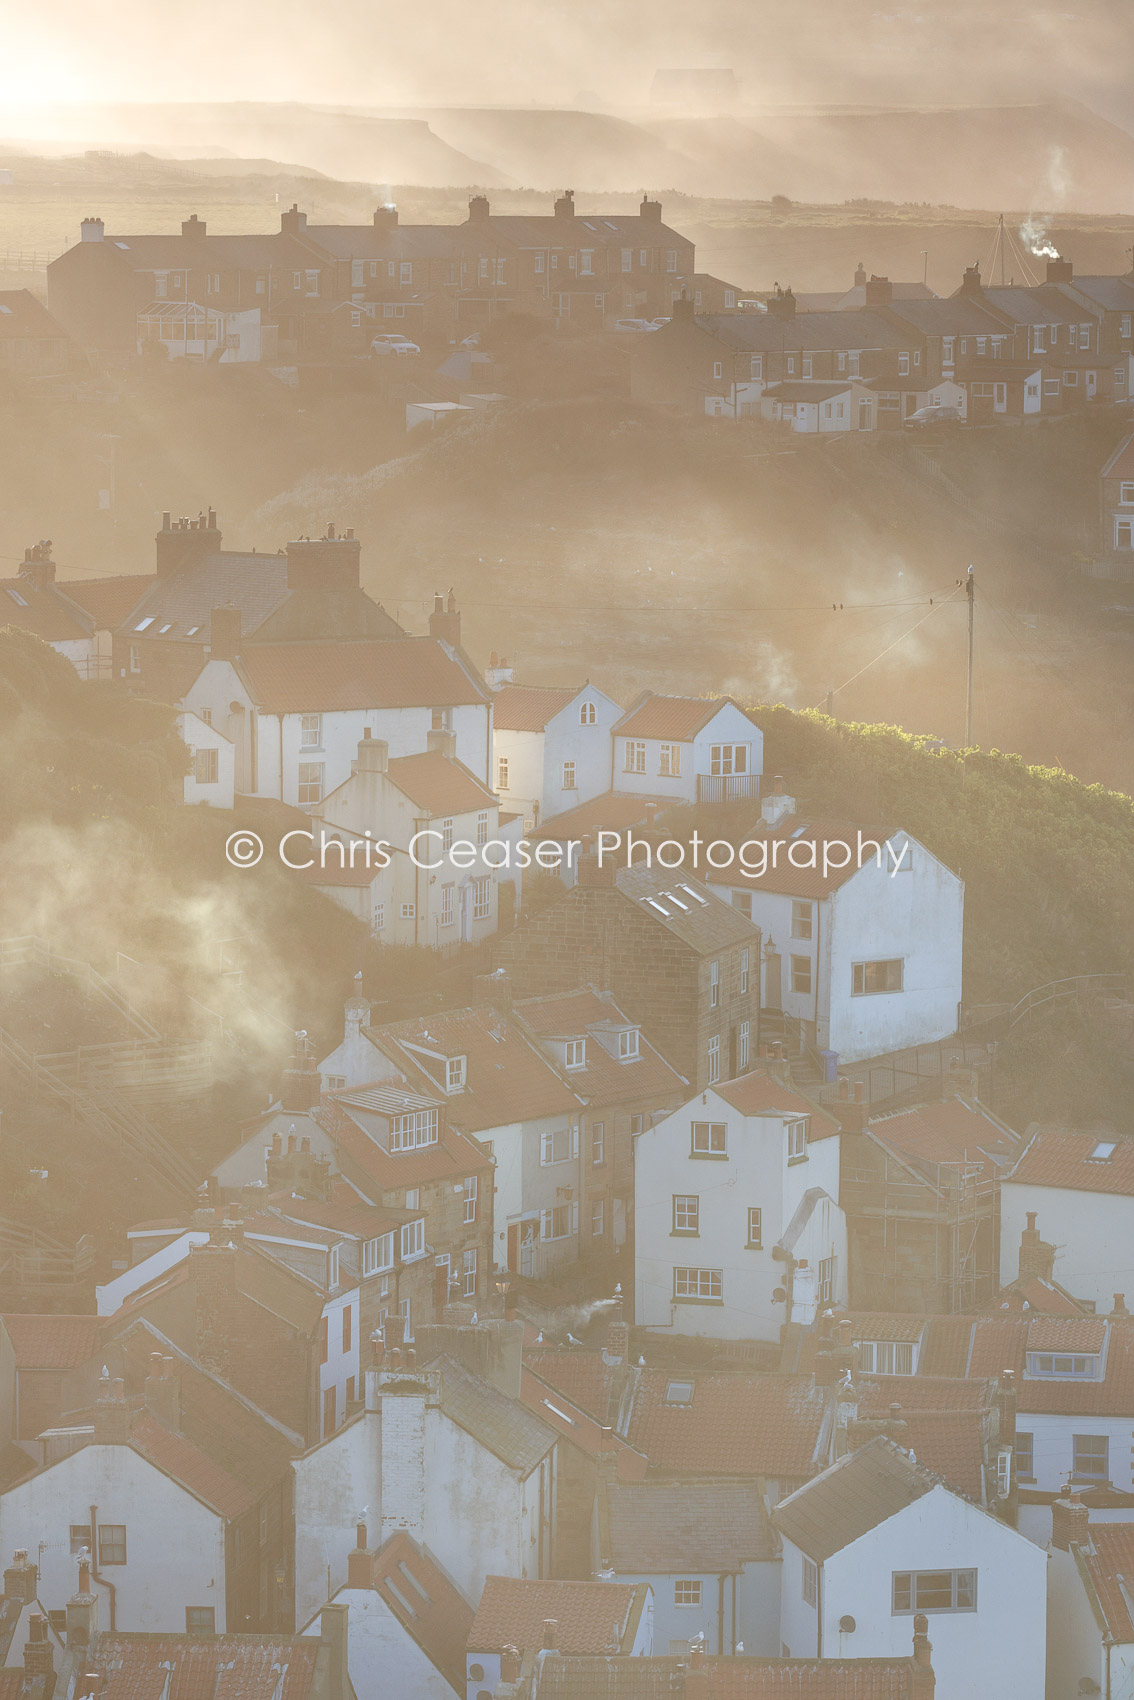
521	52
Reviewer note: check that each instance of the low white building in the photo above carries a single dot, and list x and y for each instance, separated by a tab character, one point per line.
551	747
1081	1186
687	750
737	1229
863	950
821	405
876	1540
211	777
466	1472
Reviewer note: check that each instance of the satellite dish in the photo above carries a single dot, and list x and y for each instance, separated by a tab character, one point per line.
778	1295
847	1626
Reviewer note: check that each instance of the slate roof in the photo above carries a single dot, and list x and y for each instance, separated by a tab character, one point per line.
853	1496
52	1342
592	1617
687	908
41	612
452	1156
604	1080
296	678
256	584
196	1667
22	315
1059	1159
439	785
1113	294
956	316
1045	304
683	1527
504	1426
528	708
759	1093
810	389
677	718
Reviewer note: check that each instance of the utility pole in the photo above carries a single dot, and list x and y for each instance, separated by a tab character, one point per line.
970	592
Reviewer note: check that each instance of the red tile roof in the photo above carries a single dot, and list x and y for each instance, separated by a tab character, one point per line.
297	678
108	600
453	1155
801	1679
604	1080
439	786
952	1131
425	1602
613	811
1066	1160
1066	1334
579	1426
921	1394
41	612
177	1457
224	1667
735	1424
762	1094
1110	1562
52	1342
1045	1298
584	1377
951	1444
528	708
679	718
593	1617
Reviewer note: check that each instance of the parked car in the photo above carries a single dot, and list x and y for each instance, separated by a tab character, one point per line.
636	325
393	342
934	415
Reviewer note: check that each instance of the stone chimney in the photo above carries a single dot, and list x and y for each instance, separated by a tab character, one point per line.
511	1664
356	1011
186	543
860	276
92	230
37	567
112	1416
193	226
1036	1256
386	219
294	1168
923	1680
650	211
445	620
330	562
39	1660
1060	270
777	804
588	872
402	1444
212	1270
1119	1313
301	1086
498	673
360	1561
442	741
1070	1521
549	1642
565	204
781	305
617	1348
224	633
333	1646
879	292
970	283
82	1610
479	209
373	756
21	1577
293	222
163	1391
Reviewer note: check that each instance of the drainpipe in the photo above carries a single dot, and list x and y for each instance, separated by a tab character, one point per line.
720	1610
94	1571
818	1611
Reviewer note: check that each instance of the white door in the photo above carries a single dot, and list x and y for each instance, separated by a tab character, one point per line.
529	1249
465	928
1000	398
1092	385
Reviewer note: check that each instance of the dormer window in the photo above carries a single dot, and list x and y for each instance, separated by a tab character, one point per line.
1063	1366
455	1073
628	1044
575	1053
414	1128
886	1357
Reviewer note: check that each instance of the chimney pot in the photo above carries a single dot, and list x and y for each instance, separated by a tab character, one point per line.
550	1635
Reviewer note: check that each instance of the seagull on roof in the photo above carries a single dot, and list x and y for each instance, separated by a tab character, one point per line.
475	1317
641	1363
571	1340
538	1341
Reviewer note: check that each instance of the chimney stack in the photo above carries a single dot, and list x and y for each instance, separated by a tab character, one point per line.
550	1641
781	305
511	1664
924	1682
860	276
82	1610
386	219
479	209
193	226
112	1416
293	222
1037	1257
39	1660
1119	1313
212	1270
37	567
333	1641
970	283
373	756
1070	1521
92	230
442	741
301	1086
224	633
650	211
445	620
565	204
186	543
1060	270
163	1391
617	1348
21	1577
879	292
330	562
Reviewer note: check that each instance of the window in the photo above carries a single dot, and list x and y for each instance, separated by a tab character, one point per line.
679	1392
827	1270
378	1254
586	714
802	916
206	766
1025	1457
635	756
404	1313
728	758
714	1059
904	365
669	760
111	1543
718	369
539	262
378	919
311	731
934	1590
412	1129
455	1073
801	975
568	776
714	984
755	1227
405	271
329	1410
441	720
200	1620
1071	379
708	1139
482	828
502	773
670	260
1090	1456
1124	534
756	368
1126	493
469	1190
867	978
559	1223
627	259
598	1143
482	899
807	365
628	1044
743	1046
810	1581
333	1266
413	1197
448	905
699	1284
886	1357
80	1537
637	1124
947	350
1124	326
206	713
559	1145
413	1239
1062	1365
310	782
797	1138
468	1273
348	1315
686	1213
575	1053
745	956
687	1593
586	265
446	836
597	1219
135	658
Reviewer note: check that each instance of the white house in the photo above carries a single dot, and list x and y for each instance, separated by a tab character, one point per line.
688	749
466	1472
875	1540
736	1226
863	932
1081	1185
551	747
821	405
1090	1610
212	763
296	713
709	1554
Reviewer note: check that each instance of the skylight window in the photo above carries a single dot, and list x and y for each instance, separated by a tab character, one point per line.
670	898
660	907
168	627
15	595
695	895
142	624
5	309
679	1393
1103	1151
192	632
